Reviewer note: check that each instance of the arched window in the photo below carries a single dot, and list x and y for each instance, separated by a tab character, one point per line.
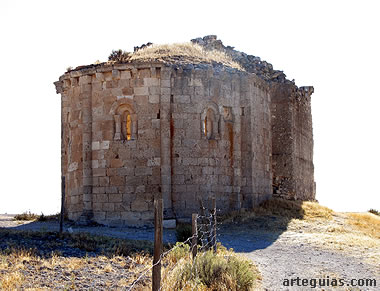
210	122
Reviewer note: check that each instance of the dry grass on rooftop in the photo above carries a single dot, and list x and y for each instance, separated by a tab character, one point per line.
183	53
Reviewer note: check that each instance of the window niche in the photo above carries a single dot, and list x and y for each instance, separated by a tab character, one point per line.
210	122
125	123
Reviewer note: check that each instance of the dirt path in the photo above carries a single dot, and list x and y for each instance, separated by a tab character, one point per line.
290	256
280	256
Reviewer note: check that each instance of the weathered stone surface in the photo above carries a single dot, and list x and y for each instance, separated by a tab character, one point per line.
134	132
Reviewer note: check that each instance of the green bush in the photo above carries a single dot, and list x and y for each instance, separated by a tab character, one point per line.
119	56
240	270
217	272
180	250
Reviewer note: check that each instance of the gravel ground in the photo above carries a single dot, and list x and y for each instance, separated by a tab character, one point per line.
279	255
95	273
289	257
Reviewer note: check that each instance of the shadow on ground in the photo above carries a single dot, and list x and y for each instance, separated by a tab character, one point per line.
80	244
244	231
247	231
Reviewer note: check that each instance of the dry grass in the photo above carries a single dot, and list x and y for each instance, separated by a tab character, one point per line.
276	214
27	216
14	263
367	223
224	270
313	210
11	281
357	234
294	209
35	260
40	271
183	52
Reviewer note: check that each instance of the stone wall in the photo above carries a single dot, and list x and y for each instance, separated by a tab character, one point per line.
110	178
72	144
292	140
221	164
133	132
303	149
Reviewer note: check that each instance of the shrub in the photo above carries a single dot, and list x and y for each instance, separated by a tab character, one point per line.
42	217
374	211
121	248
27	215
119	56
31	216
240	270
180	250
84	241
183	232
54	217
216	272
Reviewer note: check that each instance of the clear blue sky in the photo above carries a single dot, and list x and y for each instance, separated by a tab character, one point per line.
332	45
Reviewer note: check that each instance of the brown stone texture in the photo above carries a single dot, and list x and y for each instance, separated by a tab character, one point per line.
195	131
292	140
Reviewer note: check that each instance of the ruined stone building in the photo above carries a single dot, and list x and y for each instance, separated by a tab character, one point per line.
182	129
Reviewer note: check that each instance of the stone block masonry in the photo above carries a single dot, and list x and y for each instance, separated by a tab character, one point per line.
138	131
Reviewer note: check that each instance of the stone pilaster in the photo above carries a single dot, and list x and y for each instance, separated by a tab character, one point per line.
166	129
86	98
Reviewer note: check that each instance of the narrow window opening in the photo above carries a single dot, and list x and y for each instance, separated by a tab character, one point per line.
208	124
126	126
129	132
205	126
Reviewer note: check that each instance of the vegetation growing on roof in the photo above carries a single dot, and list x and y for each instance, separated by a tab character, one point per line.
119	56
182	53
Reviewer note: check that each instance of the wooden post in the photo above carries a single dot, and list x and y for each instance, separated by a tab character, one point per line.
158	217
63	192
214	223
194	241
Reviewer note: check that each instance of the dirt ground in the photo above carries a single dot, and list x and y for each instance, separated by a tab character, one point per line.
302	250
